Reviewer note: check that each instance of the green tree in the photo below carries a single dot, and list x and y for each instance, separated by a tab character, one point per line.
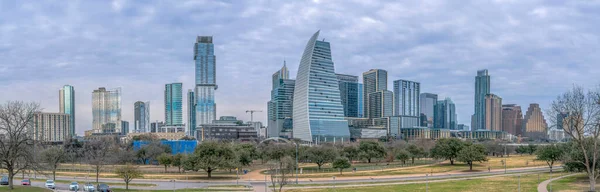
447	149
187	138
415	152
341	163
165	160
178	161
521	150
150	151
321	155
52	157
351	152
403	156
371	149
550	154
210	156
531	148
128	173
246	153
472	153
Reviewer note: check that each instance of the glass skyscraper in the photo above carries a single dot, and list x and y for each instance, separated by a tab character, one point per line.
106	110
191	113
427	102
349	94
381	104
66	104
173	104
280	107
482	88
317	109
406	98
206	82
373	80
445	115
141	115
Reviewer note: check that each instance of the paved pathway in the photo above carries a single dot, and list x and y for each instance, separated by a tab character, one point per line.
543	186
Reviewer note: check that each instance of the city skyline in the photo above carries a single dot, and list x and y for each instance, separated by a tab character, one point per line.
415	51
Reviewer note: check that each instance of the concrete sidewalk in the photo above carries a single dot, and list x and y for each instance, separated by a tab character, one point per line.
543	186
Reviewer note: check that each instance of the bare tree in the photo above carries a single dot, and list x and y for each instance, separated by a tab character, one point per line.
580	119
16	138
98	153
52	157
128	173
280	171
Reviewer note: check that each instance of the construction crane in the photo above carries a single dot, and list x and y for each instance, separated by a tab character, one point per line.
252	114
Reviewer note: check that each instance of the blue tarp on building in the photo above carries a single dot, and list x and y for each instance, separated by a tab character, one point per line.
179	146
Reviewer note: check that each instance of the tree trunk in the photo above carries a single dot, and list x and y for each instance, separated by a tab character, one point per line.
340	171
369	160
11	175
471	166
97	173
179	169
165	168
208	171
127	185
319	166
54	174
592	182
451	161
413	160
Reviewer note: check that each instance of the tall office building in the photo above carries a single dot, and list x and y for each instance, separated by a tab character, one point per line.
373	80
317	109
206	80
482	88
280	107
493	112
124	127
381	104
427	103
66	103
173	104
349	93
534	124
361	101
141	115
51	127
512	119
406	98
106	110
191	113
445	115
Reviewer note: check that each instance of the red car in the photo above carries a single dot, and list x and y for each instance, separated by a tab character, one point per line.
25	182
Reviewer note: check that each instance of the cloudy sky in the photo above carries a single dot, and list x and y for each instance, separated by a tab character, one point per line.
534	50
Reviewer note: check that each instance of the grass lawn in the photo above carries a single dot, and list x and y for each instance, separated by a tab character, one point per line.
529	182
573	183
25	189
181	190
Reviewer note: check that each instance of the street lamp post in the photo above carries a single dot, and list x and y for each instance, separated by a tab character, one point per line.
505	162
296	163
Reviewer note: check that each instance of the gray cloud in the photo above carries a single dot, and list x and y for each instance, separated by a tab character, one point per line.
533	49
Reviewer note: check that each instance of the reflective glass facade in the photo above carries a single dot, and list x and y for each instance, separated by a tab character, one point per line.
427	102
141	115
317	109
66	102
381	104
206	83
106	110
280	107
445	115
349	94
373	80
191	121
406	98
173	104
482	88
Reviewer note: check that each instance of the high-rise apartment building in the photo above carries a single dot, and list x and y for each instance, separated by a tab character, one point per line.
534	124
51	127
318	114
280	107
373	80
66	104
191	113
427	103
206	80
482	88
512	119
173	104
350	91
406	98
106	110
445	115
141	115
381	104
493	112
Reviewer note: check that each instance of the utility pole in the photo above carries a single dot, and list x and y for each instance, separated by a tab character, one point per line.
252	114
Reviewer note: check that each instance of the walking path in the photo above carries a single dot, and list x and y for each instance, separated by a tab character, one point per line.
543	186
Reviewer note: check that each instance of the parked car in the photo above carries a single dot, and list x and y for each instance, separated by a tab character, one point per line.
103	187
88	187
50	184
74	186
4	180
25	182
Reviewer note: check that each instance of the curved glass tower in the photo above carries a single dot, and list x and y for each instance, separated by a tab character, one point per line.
318	113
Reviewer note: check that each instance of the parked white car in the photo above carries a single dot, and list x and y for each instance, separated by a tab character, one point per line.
50	184
74	186
88	187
